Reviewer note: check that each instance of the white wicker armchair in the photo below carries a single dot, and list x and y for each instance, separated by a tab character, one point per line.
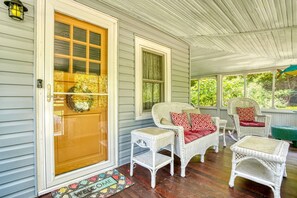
185	151
248	130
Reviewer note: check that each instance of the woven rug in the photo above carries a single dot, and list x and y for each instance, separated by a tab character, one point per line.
102	185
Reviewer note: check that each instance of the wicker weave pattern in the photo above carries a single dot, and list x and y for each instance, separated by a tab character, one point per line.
150	140
246	131
185	151
264	168
154	139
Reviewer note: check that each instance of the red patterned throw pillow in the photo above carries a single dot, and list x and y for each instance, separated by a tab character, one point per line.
246	114
201	122
180	119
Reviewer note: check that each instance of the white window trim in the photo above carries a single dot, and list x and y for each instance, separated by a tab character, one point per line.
140	45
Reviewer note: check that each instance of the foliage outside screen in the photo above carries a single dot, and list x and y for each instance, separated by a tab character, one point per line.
206	91
233	87
286	92
259	88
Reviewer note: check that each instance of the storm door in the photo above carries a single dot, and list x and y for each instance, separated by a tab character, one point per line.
80	99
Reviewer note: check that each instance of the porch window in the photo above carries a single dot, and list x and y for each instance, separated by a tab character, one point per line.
204	92
153	80
259	88
265	87
153	63
233	87
285	95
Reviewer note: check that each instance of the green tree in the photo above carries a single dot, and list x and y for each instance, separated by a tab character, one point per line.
259	88
207	92
194	92
204	92
233	87
286	92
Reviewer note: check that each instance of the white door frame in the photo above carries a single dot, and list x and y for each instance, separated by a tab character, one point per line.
45	10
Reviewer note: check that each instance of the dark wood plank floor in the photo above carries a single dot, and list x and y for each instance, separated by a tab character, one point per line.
208	179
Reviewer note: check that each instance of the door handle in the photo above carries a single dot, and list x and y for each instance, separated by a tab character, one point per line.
49	92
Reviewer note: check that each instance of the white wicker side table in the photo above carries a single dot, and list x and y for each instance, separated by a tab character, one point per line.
260	159
154	139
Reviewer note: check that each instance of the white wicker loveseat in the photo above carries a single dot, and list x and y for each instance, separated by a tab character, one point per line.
185	151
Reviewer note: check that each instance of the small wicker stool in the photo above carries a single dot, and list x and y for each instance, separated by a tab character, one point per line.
154	139
260	159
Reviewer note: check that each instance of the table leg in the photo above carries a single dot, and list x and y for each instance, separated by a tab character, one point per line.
153	172
224	139
172	161
276	192
232	176
153	182
131	160
202	157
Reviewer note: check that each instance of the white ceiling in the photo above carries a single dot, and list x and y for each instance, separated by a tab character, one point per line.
224	35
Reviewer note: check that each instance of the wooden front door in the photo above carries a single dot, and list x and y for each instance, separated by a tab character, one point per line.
80	97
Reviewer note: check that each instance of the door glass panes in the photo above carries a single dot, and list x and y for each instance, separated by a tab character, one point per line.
80	119
62	29
79	66
95	53
61	64
233	87
95	38
61	47
79	50
94	68
285	95
259	88
79	34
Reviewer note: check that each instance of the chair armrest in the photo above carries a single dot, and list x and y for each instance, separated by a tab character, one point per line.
266	118
172	127
260	115
179	131
235	120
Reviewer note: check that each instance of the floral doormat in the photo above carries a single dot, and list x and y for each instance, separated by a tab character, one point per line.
102	185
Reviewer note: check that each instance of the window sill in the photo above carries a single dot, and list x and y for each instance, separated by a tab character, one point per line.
144	116
282	111
204	107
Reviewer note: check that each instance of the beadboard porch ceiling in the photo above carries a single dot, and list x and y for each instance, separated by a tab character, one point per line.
224	35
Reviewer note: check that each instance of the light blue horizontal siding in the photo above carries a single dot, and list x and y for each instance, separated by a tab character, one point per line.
16	151
17	162
24	187
16	115
15	67
16	127
17	132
